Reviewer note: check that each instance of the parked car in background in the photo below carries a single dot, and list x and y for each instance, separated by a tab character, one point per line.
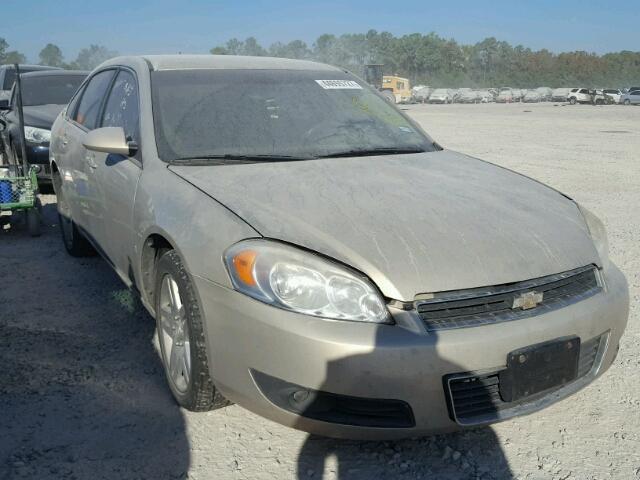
598	97
441	95
312	313
458	92
560	94
579	95
8	76
631	98
486	96
631	89
508	95
420	93
613	93
468	96
545	93
44	94
518	93
532	96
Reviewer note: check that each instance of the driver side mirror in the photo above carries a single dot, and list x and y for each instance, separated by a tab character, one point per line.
4	104
109	140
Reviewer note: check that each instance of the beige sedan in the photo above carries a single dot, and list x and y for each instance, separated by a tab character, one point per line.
310	253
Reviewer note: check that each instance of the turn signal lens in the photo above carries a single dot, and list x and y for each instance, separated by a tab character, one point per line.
243	263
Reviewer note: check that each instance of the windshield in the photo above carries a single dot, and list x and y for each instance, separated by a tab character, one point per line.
274	113
49	89
440	91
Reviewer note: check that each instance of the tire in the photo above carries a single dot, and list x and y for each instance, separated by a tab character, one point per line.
627	102
572	100
389	96
34	219
179	321
74	241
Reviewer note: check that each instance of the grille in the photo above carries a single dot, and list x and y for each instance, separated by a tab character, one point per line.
476	399
482	306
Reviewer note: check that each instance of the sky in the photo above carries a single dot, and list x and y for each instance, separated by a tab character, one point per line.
189	26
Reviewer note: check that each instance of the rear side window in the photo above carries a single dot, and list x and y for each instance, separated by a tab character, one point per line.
121	109
91	100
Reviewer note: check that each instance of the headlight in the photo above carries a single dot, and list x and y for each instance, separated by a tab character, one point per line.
302	282
598	234
37	135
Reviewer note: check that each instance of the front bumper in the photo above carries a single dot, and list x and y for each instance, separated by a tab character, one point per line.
398	362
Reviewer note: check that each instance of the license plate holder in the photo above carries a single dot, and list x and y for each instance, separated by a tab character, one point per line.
539	367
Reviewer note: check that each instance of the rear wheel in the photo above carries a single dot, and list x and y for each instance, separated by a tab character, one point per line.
627	102
181	337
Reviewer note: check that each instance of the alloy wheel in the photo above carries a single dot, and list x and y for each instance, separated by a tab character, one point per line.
174	334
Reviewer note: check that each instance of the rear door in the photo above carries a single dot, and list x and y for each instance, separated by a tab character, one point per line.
635	97
80	161
117	175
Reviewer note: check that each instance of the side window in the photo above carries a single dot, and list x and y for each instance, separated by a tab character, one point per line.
73	104
121	109
91	101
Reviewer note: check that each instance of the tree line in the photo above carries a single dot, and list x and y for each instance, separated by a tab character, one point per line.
87	59
423	58
433	60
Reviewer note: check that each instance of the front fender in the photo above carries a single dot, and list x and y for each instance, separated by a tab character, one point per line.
198	227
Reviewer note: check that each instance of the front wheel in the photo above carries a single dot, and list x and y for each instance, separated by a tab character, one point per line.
179	324
572	100
627	102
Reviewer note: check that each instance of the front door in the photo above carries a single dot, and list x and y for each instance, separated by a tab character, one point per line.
79	160
116	176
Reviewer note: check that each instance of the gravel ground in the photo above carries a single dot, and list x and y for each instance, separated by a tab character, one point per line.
82	393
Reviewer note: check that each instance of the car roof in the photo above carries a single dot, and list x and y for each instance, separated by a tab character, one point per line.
221	62
54	73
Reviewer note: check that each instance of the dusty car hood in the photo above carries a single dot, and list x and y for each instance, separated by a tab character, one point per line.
413	223
41	116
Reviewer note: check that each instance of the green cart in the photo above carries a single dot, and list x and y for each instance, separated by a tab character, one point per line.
18	193
18	182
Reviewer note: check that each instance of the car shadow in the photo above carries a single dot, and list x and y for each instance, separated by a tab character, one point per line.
82	389
466	454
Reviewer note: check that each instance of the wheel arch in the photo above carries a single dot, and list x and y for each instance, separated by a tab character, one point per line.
154	245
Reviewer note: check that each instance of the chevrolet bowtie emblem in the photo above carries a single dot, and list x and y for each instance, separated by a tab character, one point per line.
527	300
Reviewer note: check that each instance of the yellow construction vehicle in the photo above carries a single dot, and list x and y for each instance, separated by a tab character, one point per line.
398	86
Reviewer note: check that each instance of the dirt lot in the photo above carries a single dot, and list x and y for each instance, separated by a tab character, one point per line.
82	393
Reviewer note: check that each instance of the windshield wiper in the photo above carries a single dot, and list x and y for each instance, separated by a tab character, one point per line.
227	158
372	152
